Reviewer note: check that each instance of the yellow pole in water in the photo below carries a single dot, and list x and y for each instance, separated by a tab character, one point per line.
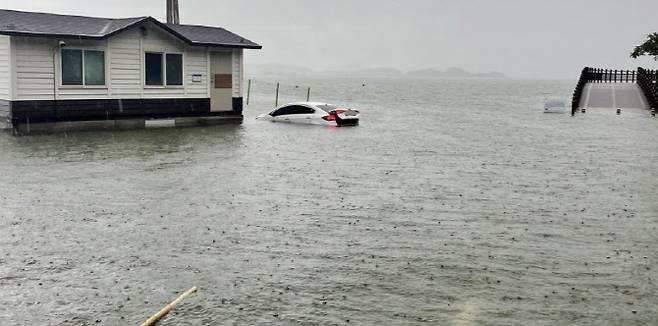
277	95
248	91
164	311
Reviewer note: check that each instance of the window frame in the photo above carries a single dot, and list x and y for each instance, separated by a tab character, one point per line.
164	70
60	69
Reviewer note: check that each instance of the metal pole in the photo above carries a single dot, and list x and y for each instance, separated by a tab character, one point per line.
308	95
277	95
248	90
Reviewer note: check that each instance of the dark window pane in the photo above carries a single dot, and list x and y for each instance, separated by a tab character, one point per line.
71	67
154	69
293	109
300	110
174	69
94	68
281	111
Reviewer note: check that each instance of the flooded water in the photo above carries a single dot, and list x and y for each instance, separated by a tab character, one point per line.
453	203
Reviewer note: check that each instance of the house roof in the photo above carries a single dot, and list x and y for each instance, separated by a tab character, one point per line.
21	23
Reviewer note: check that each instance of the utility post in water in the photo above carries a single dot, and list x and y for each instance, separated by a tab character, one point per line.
276	103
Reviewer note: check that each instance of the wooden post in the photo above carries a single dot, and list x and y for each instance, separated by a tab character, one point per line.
248	90
308	95
602	76
276	103
613	75
172	12
155	318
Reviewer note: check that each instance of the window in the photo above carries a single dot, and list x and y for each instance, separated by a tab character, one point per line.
164	69
174	69
83	67
71	67
293	109
94	68
154	69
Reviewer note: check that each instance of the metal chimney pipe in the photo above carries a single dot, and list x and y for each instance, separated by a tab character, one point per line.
172	12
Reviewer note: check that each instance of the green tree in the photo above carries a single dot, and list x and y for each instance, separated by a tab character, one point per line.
649	47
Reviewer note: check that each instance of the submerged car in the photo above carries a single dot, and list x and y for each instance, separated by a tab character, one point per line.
555	106
313	113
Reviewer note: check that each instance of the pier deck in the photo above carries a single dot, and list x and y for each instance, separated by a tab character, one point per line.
613	96
616	89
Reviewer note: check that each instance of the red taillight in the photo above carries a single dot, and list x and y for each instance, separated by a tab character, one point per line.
338	111
330	117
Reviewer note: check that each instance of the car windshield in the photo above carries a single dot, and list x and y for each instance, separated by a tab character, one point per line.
555	103
327	107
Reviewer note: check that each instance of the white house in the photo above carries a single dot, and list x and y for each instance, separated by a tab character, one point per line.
59	68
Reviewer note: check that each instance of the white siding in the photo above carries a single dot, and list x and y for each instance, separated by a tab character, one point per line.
34	68
5	67
238	72
196	63
36	61
124	67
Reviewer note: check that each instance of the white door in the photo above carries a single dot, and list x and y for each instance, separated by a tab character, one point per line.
221	81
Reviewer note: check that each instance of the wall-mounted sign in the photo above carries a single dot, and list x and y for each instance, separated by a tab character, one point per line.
196	78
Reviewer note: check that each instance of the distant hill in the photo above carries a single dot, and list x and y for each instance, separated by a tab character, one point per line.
274	70
278	70
366	72
453	73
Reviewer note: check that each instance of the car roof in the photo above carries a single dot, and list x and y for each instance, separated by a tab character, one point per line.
306	103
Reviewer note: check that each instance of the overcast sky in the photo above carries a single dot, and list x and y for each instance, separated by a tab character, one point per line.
521	38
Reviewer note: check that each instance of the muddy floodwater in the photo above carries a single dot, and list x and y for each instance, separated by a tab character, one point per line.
455	202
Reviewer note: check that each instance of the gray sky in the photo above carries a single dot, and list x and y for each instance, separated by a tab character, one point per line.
521	38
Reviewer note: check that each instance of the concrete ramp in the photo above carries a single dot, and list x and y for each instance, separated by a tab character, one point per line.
613	96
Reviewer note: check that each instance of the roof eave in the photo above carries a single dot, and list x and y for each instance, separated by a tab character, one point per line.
129	26
190	42
54	35
232	46
75	36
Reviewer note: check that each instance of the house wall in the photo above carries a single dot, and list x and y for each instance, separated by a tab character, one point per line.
238	73
35	66
5	67
5	79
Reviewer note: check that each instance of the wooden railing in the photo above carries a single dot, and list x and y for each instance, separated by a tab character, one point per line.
611	76
650	75
647	79
578	93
